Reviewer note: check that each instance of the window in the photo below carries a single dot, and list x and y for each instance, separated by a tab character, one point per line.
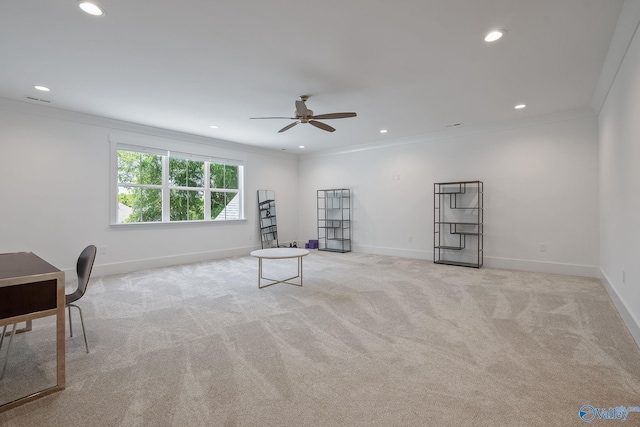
186	189
163	186
224	191
139	187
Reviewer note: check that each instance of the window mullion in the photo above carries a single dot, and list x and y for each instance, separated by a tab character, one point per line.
207	191
166	192
240	185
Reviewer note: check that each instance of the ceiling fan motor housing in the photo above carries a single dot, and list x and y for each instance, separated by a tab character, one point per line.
304	118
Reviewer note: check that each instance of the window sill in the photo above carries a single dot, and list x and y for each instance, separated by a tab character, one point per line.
176	223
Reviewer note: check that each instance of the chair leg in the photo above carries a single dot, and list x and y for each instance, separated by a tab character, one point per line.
6	356
81	322
70	324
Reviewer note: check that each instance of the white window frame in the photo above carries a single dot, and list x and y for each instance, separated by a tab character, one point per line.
166	188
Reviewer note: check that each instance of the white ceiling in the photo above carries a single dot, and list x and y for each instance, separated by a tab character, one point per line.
410	66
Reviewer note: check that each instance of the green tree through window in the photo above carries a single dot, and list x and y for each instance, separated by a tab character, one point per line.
196	189
186	181
140	186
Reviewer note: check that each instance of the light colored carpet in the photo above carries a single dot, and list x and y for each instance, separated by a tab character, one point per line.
368	341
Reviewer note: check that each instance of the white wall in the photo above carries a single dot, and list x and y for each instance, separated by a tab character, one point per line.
540	186
620	189
55	199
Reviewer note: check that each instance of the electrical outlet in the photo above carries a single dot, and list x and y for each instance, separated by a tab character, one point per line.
543	247
103	250
624	276
250	236
410	238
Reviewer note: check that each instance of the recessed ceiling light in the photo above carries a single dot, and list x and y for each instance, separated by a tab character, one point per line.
520	106
494	35
42	88
383	131
300	146
213	127
91	8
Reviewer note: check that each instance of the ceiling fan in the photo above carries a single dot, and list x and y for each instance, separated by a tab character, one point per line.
304	115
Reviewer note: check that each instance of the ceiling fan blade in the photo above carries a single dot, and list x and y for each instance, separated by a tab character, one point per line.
334	116
287	127
301	108
321	125
287	118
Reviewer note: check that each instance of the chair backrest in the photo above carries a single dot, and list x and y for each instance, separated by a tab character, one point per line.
84	266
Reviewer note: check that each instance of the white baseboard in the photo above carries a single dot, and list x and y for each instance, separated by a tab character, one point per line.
542	267
402	253
633	324
145	264
492	262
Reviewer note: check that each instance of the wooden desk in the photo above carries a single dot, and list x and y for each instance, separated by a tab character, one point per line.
31	288
279	253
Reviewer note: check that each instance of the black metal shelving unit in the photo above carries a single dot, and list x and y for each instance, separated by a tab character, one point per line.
334	220
458	215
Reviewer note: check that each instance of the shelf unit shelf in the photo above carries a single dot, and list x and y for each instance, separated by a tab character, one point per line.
334	220
458	215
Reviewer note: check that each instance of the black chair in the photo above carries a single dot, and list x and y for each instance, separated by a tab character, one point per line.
83	269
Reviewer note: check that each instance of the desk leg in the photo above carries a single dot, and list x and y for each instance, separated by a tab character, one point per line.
60	342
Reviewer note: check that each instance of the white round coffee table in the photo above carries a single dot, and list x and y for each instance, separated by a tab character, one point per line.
279	253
